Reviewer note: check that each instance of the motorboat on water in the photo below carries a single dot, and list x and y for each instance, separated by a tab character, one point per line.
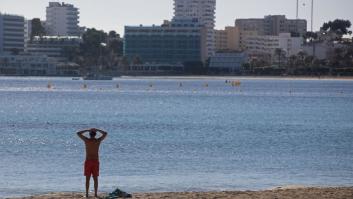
97	77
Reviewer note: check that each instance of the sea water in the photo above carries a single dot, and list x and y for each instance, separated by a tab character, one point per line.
176	134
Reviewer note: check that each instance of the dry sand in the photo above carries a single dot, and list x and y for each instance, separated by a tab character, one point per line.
283	193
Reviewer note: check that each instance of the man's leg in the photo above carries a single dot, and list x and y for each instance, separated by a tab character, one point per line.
95	178
87	185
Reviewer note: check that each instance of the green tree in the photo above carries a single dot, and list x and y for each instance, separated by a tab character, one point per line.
116	46
93	47
37	28
112	34
98	49
137	60
348	57
280	54
308	61
292	64
301	57
124	63
338	26
310	36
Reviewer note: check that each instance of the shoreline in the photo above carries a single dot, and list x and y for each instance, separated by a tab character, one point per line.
199	77
287	192
184	77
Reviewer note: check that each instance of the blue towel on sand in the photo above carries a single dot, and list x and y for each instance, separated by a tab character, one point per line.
118	194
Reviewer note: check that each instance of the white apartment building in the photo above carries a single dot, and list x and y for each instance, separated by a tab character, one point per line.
267	44
272	25
35	65
62	19
26	65
52	46
12	33
202	11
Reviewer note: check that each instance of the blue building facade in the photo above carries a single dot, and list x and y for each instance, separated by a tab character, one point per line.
227	62
171	43
11	33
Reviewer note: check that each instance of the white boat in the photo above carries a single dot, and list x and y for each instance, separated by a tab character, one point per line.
97	77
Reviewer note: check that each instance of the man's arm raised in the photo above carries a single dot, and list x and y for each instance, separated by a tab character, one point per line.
104	135
80	134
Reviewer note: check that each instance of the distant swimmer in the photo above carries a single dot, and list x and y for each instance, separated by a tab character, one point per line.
91	166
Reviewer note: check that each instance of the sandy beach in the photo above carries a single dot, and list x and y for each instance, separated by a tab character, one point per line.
278	193
200	77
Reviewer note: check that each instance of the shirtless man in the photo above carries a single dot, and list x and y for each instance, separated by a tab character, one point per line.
92	156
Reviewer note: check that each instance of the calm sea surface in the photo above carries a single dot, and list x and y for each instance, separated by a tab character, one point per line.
164	136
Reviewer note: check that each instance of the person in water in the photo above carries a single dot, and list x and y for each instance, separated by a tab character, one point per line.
91	166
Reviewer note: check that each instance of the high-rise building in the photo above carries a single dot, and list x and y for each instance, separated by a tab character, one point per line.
267	44
171	43
273	25
204	12
62	19
12	35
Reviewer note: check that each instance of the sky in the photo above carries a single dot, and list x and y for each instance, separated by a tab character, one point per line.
115	14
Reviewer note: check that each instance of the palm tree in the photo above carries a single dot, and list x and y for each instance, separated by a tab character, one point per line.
337	57
124	63
308	61
279	52
292	64
301	57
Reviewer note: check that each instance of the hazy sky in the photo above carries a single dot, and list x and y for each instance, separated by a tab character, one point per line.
114	14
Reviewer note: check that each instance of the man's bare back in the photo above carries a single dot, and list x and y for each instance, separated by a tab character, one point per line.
92	149
91	167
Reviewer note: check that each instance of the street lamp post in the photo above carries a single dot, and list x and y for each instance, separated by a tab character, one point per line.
297	10
312	15
312	25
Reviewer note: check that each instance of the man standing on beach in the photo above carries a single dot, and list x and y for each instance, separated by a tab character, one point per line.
91	167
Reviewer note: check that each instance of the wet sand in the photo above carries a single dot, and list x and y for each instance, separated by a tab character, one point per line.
279	193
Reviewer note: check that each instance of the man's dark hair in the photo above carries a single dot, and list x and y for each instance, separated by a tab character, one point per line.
92	133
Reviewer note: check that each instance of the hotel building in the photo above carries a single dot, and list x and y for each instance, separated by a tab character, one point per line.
52	46
62	19
204	12
273	25
12	33
171	43
267	44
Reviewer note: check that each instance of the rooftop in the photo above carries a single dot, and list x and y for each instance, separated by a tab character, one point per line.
58	4
11	15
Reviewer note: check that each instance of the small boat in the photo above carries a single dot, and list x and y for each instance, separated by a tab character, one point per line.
97	77
76	78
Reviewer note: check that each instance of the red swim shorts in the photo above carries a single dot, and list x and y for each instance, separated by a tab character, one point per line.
91	168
